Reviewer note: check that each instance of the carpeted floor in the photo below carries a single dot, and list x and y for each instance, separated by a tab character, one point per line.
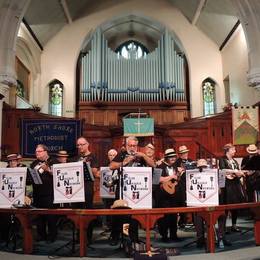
243	245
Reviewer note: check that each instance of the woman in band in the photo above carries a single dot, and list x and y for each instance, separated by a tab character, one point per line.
233	192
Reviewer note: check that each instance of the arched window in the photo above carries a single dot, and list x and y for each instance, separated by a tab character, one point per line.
55	97
132	50
20	88
209	100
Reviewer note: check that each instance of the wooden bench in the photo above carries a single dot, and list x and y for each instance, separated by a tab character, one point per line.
146	217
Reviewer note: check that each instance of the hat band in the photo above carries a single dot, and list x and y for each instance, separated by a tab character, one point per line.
170	155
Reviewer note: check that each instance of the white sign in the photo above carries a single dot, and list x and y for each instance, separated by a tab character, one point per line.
68	182
12	186
107	187
202	187
137	189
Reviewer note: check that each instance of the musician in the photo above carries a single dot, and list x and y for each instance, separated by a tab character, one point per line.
5	222
165	200
129	157
85	155
254	162
43	195
12	160
111	154
20	159
232	193
150	152
198	220
248	163
183	162
62	156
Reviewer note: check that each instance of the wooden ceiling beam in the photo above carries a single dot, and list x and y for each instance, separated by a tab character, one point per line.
196	16
66	10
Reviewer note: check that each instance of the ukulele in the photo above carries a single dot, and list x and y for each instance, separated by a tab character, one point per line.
231	174
170	186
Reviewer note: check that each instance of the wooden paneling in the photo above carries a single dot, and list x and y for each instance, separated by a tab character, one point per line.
108	114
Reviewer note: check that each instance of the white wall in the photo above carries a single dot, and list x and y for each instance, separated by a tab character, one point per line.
60	54
30	55
235	65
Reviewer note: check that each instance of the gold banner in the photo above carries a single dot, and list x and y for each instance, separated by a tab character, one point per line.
245	125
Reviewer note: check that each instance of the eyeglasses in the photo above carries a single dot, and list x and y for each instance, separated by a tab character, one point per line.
79	145
39	151
132	145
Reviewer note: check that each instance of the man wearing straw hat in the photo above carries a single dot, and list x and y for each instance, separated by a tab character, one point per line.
251	163
62	156
168	198
184	163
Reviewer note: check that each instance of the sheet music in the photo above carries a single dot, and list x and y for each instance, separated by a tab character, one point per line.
35	176
156	176
89	173
221	178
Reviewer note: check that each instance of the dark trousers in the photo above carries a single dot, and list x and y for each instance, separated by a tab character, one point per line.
168	223
88	204
4	226
199	225
117	227
46	224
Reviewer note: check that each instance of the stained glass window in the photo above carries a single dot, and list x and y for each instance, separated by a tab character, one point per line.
20	89
208	92
132	50
55	98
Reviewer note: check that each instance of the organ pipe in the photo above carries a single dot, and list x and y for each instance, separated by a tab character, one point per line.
157	76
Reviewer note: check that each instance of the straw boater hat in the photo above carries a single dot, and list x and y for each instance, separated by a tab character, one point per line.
62	153
150	146
183	149
252	149
11	157
202	163
169	153
120	204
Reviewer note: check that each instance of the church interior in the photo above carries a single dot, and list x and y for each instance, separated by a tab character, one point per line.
185	64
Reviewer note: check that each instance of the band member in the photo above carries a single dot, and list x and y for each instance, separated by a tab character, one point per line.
198	220
5	222
254	162
248	163
86	156
20	161
89	158
130	157
62	156
169	195
232	193
108	202
12	160
183	162
111	154
150	151
43	195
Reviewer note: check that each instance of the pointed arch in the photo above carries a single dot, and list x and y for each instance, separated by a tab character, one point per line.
209	96
56	97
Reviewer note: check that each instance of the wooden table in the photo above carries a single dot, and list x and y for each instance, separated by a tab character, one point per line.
146	217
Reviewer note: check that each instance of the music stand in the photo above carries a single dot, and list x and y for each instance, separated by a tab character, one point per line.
71	242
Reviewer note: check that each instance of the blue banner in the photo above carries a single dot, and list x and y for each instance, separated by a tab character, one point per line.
55	134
